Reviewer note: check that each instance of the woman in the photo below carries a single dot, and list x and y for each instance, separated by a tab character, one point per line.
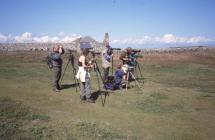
84	76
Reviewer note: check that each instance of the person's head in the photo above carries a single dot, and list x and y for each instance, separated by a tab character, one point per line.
129	50
109	51
58	48
119	66
85	52
55	48
107	46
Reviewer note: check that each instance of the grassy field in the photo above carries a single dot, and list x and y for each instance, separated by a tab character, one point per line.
177	102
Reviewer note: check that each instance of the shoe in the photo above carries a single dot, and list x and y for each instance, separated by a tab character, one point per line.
83	98
90	100
56	90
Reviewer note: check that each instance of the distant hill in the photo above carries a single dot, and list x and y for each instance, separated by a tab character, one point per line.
48	46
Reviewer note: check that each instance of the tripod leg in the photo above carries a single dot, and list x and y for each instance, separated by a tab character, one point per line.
136	80
127	80
139	70
112	65
65	70
120	87
135	70
74	72
97	77
106	92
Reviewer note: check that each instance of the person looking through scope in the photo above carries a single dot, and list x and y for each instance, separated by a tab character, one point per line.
124	56
128	58
83	75
56	63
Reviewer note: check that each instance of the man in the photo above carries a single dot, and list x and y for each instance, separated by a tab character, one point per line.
119	73
124	56
57	66
106	62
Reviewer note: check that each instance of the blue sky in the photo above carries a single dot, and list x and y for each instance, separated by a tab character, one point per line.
127	21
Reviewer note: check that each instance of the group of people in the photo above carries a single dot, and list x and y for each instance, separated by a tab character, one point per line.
85	65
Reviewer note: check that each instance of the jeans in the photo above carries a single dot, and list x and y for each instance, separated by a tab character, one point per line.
85	88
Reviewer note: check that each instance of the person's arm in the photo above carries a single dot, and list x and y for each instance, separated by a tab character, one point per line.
83	62
61	50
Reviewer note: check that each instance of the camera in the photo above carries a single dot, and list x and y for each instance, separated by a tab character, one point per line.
71	50
93	52
115	49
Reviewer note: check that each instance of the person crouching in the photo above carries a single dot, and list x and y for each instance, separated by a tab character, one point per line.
119	73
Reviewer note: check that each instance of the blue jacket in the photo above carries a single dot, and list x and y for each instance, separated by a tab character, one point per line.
118	76
56	59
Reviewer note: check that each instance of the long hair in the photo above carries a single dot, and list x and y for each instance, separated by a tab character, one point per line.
85	52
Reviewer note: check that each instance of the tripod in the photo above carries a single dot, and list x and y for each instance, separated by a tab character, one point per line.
72	62
131	75
98	74
136	69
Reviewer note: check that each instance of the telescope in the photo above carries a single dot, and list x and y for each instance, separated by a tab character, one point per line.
93	52
136	50
115	49
71	50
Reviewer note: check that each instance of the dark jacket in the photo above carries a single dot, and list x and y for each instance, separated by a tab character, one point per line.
56	59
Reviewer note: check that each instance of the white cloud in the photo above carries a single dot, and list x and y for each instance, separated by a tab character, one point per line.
3	38
199	39
28	37
61	34
165	39
45	39
25	37
169	38
70	38
55	39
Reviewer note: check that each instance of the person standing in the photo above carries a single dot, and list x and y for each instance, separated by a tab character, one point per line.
57	62
83	75
106	62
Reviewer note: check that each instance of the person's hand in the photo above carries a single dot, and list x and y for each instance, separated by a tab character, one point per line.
125	59
60	50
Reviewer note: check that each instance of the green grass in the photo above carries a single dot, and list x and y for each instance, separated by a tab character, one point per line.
177	102
15	118
196	76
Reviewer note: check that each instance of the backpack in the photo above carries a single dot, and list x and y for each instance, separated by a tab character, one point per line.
48	60
110	83
109	86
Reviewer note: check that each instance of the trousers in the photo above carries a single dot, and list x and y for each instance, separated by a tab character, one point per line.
105	74
85	87
56	77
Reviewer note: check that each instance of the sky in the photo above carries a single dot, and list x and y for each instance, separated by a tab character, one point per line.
140	23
